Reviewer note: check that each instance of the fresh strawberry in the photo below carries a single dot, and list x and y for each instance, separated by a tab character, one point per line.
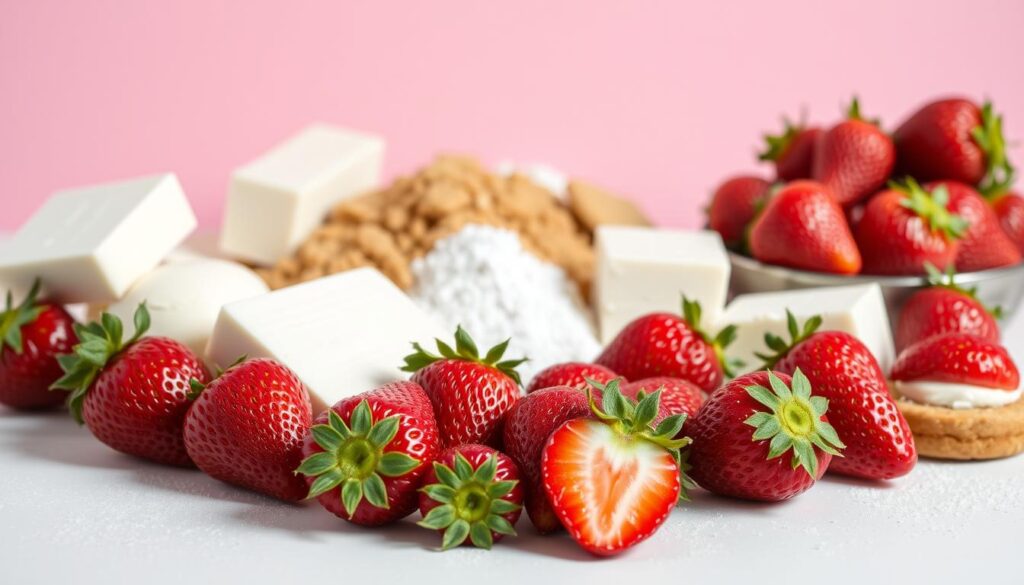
366	455
802	226
984	244
958	358
472	493
845	373
1009	208
678	396
758	438
470	394
944	307
527	428
247	426
905	227
133	395
612	480
574	374
32	335
954	139
663	344
734	205
853	158
792	151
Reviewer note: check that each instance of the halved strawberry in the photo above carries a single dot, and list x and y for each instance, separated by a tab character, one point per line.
944	307
574	374
613	480
958	358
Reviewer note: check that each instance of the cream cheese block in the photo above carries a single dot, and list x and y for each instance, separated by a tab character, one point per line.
342	335
184	298
644	270
89	245
858	310
275	201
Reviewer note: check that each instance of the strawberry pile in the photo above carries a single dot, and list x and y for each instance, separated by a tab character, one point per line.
854	199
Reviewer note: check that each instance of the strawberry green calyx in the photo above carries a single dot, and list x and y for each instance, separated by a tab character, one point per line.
989	137
722	340
853	113
196	387
472	503
776	144
354	458
98	343
794	421
465	350
14	318
781	347
947	280
931	207
634	419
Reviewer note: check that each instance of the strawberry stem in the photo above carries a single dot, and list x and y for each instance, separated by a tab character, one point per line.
14	318
947	280
465	350
931	207
776	144
999	173
780	346
718	343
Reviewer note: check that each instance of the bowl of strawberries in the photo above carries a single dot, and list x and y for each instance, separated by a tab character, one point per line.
853	203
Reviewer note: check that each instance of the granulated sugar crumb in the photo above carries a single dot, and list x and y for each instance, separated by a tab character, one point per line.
483	279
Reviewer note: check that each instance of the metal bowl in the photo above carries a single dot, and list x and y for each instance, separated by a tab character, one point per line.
1002	287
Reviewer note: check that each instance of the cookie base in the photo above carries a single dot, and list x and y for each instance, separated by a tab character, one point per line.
968	434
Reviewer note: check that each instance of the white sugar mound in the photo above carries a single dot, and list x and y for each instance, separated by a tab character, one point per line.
483	279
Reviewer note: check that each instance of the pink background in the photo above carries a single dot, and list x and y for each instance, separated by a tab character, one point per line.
659	100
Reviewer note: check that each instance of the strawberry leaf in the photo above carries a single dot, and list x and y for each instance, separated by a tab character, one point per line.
465	350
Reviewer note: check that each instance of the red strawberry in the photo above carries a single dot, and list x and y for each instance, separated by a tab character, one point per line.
984	244
944	307
527	428
247	426
32	335
759	438
853	158
678	396
906	227
613	480
734	205
803	227
844	372
366	455
958	358
792	151
574	374
472	493
133	396
1009	208
953	139
470	394
663	344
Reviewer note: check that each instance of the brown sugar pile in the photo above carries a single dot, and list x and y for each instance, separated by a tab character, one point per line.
388	228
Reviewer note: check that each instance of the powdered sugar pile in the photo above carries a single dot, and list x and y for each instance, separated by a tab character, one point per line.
483	279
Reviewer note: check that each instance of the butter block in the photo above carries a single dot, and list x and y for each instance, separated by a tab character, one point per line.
644	270
89	245
858	310
277	200
185	297
342	335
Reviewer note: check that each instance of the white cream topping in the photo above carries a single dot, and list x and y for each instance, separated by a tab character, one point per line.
957	396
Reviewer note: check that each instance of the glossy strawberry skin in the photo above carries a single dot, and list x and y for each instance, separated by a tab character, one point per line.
984	245
803	227
246	428
725	459
797	160
137	403
938	309
734	205
527	428
895	240
470	400
1009	209
417	437
936	143
678	396
574	374
853	159
477	455
958	358
663	344
879	444
25	378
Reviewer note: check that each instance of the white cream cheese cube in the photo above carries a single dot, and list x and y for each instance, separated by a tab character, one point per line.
342	335
184	298
277	200
91	244
858	310
643	270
